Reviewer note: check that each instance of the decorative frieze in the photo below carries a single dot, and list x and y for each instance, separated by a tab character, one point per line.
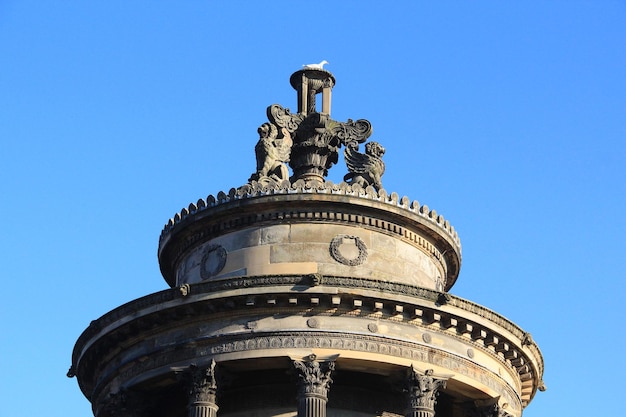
286	341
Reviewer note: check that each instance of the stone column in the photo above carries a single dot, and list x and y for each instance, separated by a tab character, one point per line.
423	390
303	95
313	385
202	391
326	95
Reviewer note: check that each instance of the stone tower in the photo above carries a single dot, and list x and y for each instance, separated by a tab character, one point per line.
294	296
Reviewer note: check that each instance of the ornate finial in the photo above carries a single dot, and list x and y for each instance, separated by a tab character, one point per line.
309	140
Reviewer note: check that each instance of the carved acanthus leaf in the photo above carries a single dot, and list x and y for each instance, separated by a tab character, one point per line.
423	389
314	376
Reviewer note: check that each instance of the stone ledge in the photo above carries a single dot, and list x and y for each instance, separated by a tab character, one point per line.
257	190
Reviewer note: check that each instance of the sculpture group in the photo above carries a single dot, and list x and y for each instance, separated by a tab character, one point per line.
309	141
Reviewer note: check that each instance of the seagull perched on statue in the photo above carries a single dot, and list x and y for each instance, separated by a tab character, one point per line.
316	66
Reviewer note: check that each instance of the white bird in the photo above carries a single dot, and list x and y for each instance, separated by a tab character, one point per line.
316	66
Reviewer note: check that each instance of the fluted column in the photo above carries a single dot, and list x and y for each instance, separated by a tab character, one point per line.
202	392
313	386
423	391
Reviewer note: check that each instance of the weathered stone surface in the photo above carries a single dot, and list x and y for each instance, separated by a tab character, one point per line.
280	281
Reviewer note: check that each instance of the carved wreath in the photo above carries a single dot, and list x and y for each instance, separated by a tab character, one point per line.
208	268
336	254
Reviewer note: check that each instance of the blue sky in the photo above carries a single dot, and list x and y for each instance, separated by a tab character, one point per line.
507	118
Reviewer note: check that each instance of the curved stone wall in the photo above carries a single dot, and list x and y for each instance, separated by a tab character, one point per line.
329	229
365	322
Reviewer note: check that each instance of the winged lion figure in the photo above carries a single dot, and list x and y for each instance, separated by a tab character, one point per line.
365	168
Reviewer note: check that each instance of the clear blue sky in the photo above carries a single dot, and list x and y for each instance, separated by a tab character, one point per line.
507	118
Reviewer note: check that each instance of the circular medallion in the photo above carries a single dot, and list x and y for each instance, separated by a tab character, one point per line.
348	250
426	337
313	323
213	261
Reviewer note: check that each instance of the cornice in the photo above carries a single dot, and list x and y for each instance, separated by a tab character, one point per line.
481	327
255	189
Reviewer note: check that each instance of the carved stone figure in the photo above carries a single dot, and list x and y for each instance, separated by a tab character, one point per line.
310	140
365	168
272	153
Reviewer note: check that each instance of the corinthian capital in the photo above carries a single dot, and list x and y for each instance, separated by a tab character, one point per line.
314	376
423	390
202	383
